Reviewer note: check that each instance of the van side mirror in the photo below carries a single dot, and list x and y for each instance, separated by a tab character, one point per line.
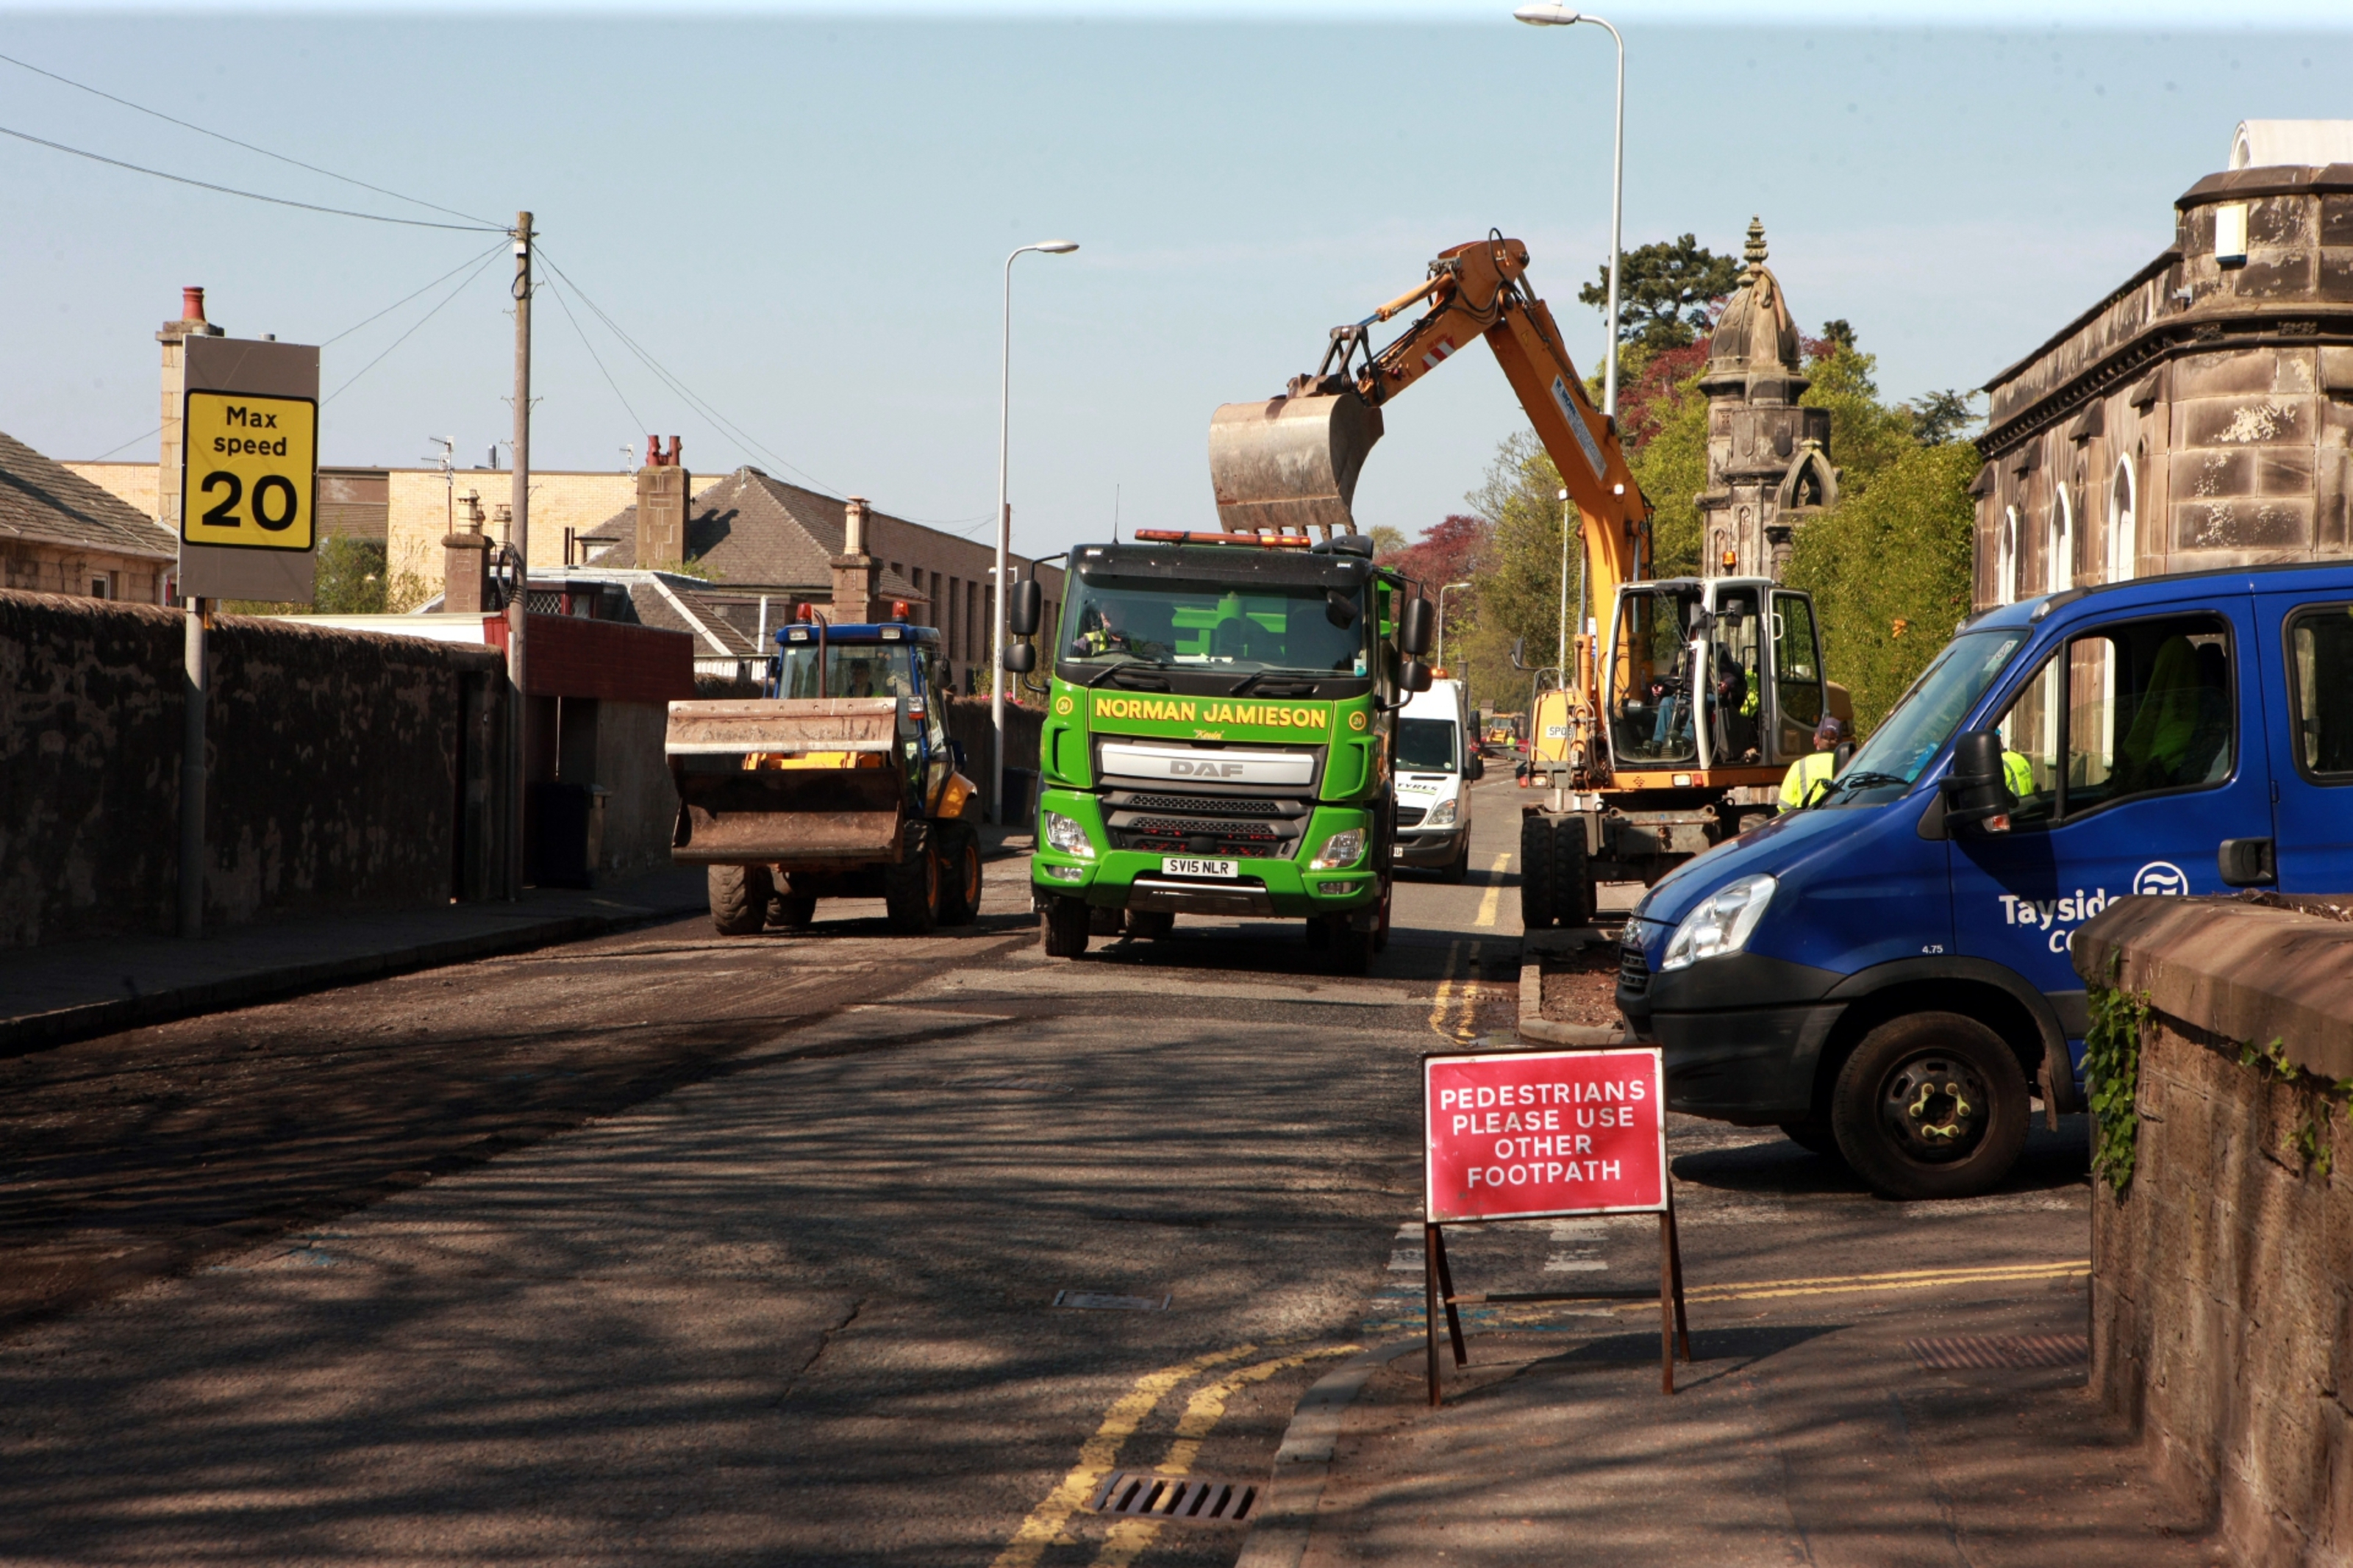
1841	754
1020	658
1414	633
1024	606
1474	768
1415	675
1976	792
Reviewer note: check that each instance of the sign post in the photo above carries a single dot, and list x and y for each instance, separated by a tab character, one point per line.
1546	1135
248	525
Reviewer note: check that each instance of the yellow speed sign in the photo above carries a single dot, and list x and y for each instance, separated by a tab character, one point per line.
252	471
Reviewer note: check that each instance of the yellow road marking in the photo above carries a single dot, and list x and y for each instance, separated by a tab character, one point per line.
1445	996
1904	1279
1098	1454
1494	899
1129	1537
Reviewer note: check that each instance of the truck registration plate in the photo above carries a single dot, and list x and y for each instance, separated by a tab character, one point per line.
1186	866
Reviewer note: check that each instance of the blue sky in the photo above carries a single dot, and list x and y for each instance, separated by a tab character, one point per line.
803	215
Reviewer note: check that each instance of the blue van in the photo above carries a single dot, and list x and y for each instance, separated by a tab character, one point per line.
1886	975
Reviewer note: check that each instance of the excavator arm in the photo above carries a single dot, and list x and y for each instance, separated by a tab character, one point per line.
1293	460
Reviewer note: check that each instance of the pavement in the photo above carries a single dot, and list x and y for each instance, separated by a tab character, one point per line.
79	990
873	1249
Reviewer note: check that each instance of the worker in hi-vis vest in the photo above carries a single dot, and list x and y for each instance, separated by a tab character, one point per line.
1809	779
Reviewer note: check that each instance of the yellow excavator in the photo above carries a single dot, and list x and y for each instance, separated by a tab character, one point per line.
1669	729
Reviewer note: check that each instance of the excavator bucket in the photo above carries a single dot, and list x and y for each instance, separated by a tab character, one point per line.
1290	464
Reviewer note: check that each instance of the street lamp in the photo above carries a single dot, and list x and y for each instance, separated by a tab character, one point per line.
1004	536
1562	16
1441	619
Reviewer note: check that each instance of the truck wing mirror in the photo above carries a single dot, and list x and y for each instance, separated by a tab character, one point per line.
1414	632
1024	606
1339	608
1020	658
1976	792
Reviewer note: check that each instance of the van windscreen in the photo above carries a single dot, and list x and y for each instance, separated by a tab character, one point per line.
1425	746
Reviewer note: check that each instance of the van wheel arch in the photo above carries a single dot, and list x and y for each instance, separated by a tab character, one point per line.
1988	1004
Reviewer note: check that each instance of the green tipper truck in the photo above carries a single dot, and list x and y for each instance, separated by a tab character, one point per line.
1218	736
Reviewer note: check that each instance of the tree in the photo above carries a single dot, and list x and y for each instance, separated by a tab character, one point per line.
1666	292
1941	416
1387	540
1449	551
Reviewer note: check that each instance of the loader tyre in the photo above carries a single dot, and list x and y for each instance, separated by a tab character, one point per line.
1572	875
1930	1105
1067	923
739	899
959	874
1535	871
793	911
911	889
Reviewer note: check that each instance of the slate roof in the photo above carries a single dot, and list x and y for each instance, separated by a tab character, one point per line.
42	501
755	534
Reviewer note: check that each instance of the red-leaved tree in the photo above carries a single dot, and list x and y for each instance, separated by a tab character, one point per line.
1448	551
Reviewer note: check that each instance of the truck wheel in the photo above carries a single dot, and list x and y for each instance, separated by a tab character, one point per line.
1151	924
959	874
1066	924
1319	932
1536	872
1381	927
739	899
794	912
1459	866
1813	1136
1572	879
911	889
1931	1105
1352	949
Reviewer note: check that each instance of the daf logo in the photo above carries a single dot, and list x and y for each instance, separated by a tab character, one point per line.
1180	768
2161	879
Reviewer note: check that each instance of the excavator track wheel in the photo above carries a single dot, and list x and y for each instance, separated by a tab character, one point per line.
1572	875
739	899
911	889
1535	871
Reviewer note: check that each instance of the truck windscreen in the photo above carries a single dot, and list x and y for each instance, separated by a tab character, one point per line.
1271	627
851	670
1924	717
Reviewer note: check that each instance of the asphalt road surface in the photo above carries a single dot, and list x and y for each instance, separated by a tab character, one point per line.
828	1248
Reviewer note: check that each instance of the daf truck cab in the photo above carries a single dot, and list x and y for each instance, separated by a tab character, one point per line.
1886	974
1437	763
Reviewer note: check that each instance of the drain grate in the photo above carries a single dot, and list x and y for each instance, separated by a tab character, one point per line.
1179	1500
1105	1301
1969	1351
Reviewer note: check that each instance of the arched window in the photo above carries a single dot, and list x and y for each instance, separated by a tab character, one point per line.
2124	514
2005	558
2059	553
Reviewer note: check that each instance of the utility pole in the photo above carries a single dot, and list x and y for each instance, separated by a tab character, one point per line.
518	609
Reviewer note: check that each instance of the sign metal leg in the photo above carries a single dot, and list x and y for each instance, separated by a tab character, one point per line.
1666	1305
1436	1247
1430	1245
1675	1265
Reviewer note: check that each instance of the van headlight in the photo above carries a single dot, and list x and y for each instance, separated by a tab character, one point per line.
1344	847
1720	924
1441	816
1068	835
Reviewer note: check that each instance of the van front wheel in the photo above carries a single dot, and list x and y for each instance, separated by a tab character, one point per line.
1931	1105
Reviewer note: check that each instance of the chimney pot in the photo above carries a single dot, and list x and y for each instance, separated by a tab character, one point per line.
192	303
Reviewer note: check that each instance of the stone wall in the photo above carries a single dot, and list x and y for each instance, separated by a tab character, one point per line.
335	762
2222	1275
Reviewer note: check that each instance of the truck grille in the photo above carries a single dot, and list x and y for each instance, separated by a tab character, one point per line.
1166	823
1633	971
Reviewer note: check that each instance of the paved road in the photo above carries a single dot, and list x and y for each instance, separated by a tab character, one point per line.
799	1304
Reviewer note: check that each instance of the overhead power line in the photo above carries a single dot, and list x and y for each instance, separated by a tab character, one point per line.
637	423
249	196
404	299
231	141
487	257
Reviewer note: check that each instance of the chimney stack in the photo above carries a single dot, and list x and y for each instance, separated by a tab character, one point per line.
466	557
663	489
854	571
173	336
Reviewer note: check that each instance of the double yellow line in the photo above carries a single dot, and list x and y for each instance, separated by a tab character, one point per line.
1895	1279
1099	1455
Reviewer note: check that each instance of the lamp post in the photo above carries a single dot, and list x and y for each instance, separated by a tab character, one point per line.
1004	535
1443	590
1562	16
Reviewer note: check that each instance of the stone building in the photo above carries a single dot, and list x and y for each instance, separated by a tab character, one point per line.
1769	466
2199	415
62	534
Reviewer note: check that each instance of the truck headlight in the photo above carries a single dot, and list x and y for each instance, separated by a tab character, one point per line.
1067	835
1344	847
1720	924
1442	815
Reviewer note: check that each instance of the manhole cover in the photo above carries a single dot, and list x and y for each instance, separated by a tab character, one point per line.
1105	1301
1969	1352
1179	1500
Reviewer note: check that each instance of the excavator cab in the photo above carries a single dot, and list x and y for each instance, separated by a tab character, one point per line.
1723	673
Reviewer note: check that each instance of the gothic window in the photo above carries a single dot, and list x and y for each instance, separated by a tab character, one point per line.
2059	556
2123	510
2005	557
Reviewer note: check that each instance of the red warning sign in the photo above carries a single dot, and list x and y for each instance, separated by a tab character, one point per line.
1523	1134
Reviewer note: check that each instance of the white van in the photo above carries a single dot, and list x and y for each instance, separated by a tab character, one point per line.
1436	762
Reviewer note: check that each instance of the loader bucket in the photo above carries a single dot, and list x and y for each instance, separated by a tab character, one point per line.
806	802
1290	464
